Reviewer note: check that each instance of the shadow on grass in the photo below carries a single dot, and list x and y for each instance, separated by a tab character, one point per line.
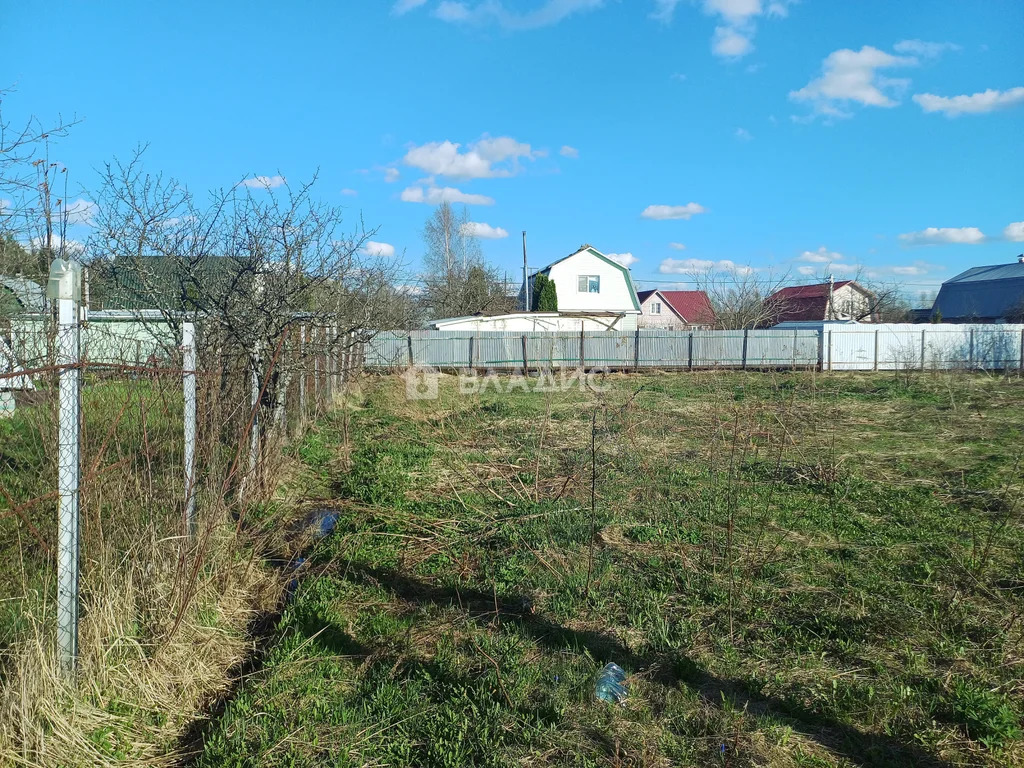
864	749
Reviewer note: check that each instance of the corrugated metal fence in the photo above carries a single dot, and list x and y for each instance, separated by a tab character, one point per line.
839	347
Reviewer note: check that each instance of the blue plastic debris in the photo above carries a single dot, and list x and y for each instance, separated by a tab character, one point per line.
610	685
325	521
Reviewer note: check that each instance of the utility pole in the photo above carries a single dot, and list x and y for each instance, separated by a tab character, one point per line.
526	283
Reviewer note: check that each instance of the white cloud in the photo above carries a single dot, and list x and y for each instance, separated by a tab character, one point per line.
677	246
404	6
852	76
81	212
434	195
1014	232
734	11
917	269
391	175
349	192
975	104
625	259
479	161
382	250
689	266
493	11
833	269
483	231
568	151
734	36
664	10
729	43
678	76
742	134
937	235
264	182
821	256
923	48
663	212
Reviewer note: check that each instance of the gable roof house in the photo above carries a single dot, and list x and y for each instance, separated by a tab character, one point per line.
675	310
841	300
983	294
594	292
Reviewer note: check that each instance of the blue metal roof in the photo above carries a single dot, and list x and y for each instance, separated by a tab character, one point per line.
982	293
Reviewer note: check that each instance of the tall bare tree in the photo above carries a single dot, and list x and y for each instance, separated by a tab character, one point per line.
457	281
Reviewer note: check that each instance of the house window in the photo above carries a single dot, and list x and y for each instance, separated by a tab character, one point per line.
589	284
655	307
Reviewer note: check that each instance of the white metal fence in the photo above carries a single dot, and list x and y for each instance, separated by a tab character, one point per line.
894	346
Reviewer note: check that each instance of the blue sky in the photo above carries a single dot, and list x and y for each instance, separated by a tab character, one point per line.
786	136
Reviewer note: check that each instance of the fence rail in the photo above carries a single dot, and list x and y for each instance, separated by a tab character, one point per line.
841	347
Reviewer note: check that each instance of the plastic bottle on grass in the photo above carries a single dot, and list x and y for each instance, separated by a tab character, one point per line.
610	685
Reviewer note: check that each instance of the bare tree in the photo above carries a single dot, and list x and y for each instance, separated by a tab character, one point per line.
252	266
457	281
742	297
33	190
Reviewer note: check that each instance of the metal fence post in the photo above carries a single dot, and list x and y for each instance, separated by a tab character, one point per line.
68	457
411	362
689	352
470	351
746	333
830	349
1020	362
970	350
636	350
526	359
875	367
923	332
188	347
583	359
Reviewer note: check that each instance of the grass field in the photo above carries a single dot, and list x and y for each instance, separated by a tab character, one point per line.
794	569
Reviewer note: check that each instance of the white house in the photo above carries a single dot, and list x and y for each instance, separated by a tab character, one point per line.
588	283
676	310
594	294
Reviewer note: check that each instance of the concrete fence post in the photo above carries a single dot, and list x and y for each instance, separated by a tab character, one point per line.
830	349
583	358
970	350
188	348
302	373
526	359
875	366
1020	362
68	460
689	352
923	347
636	350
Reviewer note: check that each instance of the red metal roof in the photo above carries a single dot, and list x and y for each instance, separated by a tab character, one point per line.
802	302
807	291
693	306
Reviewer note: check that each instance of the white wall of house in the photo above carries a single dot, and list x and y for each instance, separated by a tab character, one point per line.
606	287
849	304
656	313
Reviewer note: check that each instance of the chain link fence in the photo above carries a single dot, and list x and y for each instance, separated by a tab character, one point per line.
137	436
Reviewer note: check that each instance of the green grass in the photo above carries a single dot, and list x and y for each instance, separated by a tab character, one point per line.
795	569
